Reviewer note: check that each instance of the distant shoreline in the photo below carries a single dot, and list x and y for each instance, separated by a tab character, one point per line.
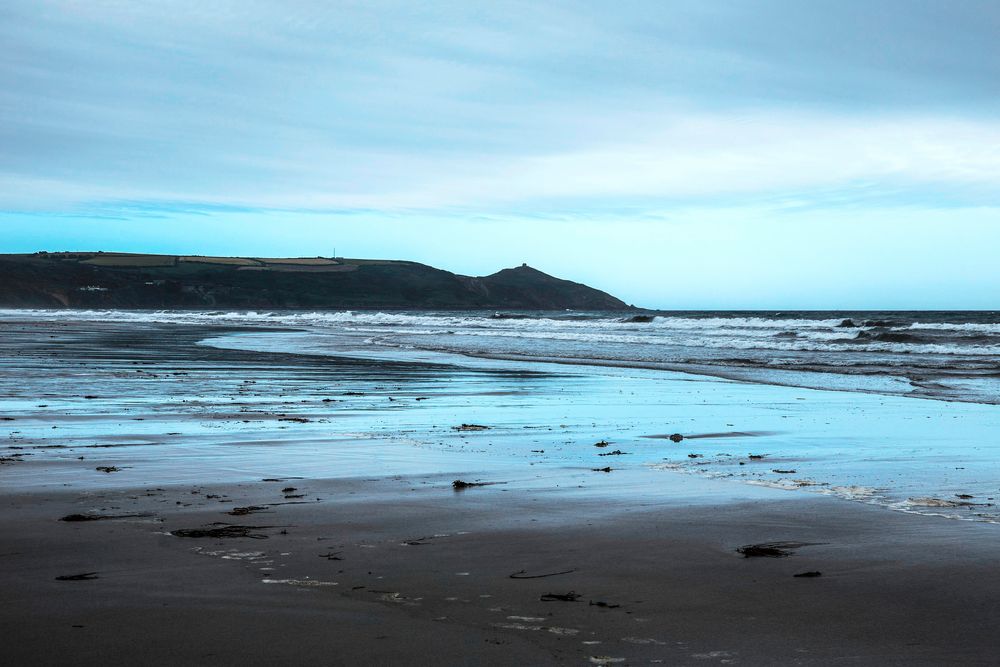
80	280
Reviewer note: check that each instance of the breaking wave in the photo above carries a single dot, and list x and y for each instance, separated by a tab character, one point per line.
927	350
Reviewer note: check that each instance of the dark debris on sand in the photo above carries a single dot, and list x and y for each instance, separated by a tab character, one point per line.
560	597
460	485
102	517
770	549
808	575
85	576
241	511
602	603
523	574
470	427
221	531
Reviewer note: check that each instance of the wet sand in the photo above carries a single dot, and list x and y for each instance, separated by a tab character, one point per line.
373	558
399	572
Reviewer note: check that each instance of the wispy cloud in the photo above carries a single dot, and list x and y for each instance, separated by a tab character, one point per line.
712	158
386	104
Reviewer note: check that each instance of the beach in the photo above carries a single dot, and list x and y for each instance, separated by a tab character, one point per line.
587	536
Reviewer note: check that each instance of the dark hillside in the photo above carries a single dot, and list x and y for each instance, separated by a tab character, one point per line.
120	280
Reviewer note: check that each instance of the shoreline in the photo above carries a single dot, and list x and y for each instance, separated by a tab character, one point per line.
374	557
732	372
918	502
823	423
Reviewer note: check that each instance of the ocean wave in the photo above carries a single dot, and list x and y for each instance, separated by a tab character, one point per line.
979	327
798	344
749	325
759	340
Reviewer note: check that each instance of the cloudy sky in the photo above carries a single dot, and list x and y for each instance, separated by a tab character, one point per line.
678	153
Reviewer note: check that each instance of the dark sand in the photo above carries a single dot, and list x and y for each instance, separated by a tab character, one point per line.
895	588
398	568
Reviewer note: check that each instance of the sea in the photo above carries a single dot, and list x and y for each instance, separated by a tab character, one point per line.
941	355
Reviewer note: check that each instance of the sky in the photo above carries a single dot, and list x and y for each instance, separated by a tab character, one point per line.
676	153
